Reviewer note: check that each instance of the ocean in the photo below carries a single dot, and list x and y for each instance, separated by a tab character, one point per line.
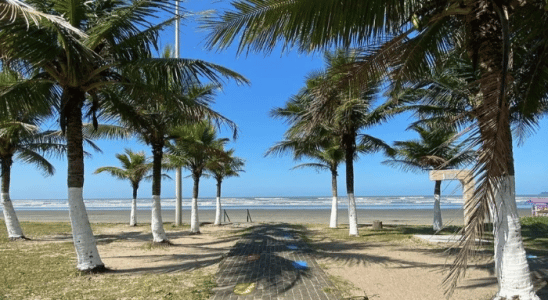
367	202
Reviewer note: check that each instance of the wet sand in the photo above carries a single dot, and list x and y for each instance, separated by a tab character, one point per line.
306	216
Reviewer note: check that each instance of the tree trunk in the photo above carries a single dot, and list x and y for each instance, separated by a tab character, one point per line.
12	223
512	269
349	146
437	224
84	241
333	223
178	197
489	40
218	204
133	216
511	266
194	220
157	226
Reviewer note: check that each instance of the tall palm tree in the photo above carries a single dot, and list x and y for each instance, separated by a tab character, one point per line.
435	150
135	168
418	33
22	140
115	45
327	155
351	113
223	165
195	147
155	123
319	144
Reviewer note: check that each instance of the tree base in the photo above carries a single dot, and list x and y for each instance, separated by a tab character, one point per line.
20	238
163	243
194	233
97	270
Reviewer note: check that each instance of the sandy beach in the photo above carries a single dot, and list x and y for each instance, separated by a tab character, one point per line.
391	269
302	216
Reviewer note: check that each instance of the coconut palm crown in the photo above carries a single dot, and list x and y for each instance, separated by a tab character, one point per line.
116	45
435	150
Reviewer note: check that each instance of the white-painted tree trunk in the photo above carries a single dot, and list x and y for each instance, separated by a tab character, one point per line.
333	222
218	210
84	241
352	216
512	269
437	224
133	216
12	223
194	221
178	197
158	233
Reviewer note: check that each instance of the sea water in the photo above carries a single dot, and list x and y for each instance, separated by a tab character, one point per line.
362	202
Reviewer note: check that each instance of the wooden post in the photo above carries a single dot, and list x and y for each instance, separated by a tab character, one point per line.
377	225
226	216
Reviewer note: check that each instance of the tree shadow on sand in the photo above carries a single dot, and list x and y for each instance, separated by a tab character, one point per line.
269	256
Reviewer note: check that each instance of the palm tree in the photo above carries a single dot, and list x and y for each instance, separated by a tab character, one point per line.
135	168
115	45
195	147
155	123
418	34
327	155
221	166
23	140
351	113
436	150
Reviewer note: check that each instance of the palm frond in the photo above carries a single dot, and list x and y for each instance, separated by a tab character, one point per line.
307	24
114	171
31	157
319	167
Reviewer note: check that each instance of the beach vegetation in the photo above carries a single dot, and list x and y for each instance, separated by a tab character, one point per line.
437	149
322	147
350	113
135	167
401	41
220	166
112	44
22	140
194	147
155	117
43	269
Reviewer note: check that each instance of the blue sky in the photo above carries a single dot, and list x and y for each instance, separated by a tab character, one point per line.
274	79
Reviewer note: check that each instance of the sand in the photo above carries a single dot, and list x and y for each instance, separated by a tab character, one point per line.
408	269
306	216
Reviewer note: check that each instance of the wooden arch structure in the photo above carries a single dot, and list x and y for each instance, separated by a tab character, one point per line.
466	178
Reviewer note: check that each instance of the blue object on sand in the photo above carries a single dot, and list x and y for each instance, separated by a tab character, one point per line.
292	247
300	265
531	256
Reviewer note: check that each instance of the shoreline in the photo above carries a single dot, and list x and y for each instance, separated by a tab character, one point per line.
296	216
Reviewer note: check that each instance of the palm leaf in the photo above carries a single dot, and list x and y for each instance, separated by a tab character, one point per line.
30	157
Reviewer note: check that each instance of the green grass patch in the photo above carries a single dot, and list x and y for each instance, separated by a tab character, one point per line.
534	231
389	233
46	270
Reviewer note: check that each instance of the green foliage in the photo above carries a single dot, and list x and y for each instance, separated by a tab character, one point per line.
534	231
